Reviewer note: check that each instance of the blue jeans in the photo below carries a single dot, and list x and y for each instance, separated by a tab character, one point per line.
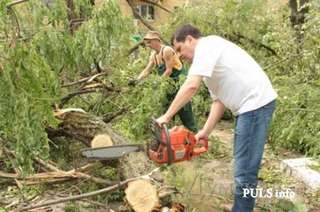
251	132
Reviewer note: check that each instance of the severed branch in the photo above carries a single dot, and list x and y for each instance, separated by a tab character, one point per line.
272	51
237	36
158	5
136	14
47	165
76	21
109	117
65	99
85	80
135	47
91	88
144	22
275	64
10	5
89	194
55	176
52	133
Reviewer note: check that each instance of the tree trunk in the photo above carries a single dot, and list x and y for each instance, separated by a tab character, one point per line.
84	127
71	15
298	11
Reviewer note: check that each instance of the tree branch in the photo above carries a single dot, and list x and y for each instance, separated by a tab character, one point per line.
89	194
91	88
109	117
55	176
10	5
52	133
135	47
85	80
65	99
144	22
259	44
139	16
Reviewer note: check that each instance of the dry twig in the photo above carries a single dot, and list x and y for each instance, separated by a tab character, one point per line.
89	194
85	80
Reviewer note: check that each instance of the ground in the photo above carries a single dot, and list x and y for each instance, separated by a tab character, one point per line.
207	182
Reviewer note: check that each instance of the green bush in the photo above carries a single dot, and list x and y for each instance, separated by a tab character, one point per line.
293	66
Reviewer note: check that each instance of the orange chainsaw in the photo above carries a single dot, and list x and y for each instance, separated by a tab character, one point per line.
167	146
174	145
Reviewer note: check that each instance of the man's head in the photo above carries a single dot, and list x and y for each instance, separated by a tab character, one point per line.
152	40
184	41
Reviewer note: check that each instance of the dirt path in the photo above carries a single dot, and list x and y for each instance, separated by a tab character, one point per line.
207	182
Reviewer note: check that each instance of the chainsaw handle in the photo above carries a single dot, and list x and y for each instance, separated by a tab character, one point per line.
154	122
199	150
165	130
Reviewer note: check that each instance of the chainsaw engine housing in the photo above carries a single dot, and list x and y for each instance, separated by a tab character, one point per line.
174	145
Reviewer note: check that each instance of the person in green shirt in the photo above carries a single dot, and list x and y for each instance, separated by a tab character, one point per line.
167	64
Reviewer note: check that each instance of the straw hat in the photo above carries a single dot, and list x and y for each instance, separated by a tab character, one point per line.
152	35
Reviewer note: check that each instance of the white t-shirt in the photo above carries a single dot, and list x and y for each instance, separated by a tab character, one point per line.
231	75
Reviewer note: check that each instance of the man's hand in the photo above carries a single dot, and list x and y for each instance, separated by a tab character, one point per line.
202	134
164	119
133	82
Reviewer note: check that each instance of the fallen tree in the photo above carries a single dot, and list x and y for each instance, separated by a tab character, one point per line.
84	127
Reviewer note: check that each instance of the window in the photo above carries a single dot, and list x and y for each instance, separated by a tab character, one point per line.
146	11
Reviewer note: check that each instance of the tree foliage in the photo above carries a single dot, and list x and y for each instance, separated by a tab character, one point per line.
265	31
46	54
39	53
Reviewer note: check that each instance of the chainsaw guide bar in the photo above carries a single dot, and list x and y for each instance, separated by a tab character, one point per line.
112	152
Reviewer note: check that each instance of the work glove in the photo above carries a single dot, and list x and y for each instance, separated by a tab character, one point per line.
133	82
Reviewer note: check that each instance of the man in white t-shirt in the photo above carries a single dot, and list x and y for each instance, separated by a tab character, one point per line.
237	82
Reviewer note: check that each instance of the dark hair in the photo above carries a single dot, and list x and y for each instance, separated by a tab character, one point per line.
181	34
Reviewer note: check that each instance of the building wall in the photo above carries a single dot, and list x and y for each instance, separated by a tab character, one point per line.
161	16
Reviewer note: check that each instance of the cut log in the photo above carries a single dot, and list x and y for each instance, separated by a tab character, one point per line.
142	196
101	140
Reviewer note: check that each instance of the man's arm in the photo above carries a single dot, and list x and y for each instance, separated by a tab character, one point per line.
169	61
184	95
216	112
147	70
